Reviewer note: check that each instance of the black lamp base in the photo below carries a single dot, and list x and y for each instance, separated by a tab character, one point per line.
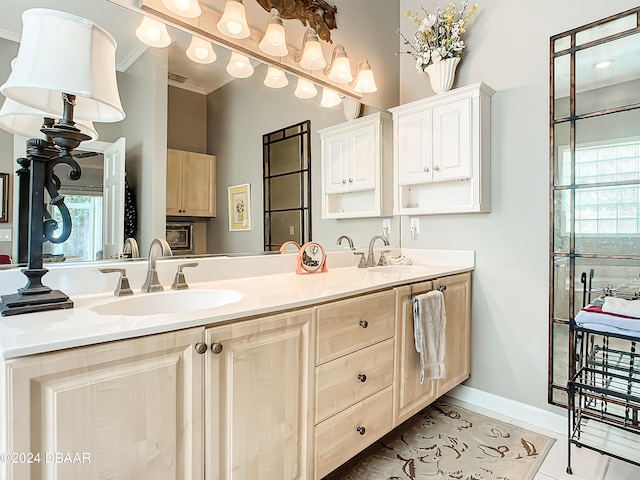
19	303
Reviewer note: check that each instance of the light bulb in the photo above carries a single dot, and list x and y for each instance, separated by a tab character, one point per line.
365	83
340	69
239	66
233	22
184	8
312	57
329	98
153	33
275	78
201	51
274	41
305	89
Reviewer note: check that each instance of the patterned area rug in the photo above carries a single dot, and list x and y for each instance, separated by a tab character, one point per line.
445	441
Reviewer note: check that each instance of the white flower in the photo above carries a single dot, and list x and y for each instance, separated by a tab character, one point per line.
435	56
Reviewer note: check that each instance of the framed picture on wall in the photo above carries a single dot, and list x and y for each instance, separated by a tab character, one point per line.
240	207
4	199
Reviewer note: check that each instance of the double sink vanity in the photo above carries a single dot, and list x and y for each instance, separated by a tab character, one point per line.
253	372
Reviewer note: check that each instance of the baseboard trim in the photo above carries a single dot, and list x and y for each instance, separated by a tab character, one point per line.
517	410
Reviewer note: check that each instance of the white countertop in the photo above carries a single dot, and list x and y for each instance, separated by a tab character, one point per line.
262	294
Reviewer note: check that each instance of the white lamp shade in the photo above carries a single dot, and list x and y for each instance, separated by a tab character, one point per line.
276	78
274	41
312	57
365	83
201	51
340	70
233	23
153	33
62	53
239	66
184	8
26	121
330	98
305	89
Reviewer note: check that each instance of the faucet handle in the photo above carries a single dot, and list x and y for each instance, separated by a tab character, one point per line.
179	282
123	288
382	262
362	263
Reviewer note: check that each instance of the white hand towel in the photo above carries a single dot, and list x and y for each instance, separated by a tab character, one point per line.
621	306
429	329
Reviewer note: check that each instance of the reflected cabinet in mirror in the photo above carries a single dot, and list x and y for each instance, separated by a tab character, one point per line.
595	174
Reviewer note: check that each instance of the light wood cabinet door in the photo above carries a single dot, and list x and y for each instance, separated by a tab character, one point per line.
259	402
174	182
410	395
457	299
191	184
129	409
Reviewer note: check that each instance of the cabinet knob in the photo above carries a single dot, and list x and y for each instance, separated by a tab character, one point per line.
426	169
362	377
361	430
344	181
351	180
363	323
216	348
201	347
442	288
436	168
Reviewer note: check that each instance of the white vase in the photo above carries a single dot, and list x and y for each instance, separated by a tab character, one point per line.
352	108
442	74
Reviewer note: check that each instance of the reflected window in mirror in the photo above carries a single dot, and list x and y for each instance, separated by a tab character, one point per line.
595	174
287	186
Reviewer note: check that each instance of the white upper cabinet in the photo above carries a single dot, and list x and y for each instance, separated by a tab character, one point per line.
441	153
356	168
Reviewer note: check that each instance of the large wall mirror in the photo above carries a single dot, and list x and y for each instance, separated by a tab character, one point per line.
172	102
595	173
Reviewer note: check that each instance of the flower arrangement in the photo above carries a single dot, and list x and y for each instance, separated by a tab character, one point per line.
439	34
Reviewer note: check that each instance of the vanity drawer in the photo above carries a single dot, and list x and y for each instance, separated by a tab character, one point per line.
346	380
338	438
349	325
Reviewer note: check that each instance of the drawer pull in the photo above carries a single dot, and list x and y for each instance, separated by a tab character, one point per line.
364	323
216	348
362	377
361	430
201	347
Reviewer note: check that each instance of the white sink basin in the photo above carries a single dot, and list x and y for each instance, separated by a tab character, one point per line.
400	269
170	301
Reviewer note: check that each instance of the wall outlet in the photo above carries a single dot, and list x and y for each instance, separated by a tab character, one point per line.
386	227
292	230
414	224
5	235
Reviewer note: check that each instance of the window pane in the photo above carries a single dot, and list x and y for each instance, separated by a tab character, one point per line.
285	226
561	84
605	30
562	222
562	156
560	353
285	192
284	156
561	288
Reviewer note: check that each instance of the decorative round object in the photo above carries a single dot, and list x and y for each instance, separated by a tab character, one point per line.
352	108
311	258
442	74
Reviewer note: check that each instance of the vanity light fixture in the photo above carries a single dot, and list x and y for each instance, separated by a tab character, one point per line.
233	23
339	70
153	33
239	66
311	57
329	98
365	83
201	51
275	78
305	89
274	41
184	8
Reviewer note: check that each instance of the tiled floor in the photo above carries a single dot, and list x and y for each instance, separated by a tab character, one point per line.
586	464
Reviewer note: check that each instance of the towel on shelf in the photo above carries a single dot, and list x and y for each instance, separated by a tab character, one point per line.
621	306
429	330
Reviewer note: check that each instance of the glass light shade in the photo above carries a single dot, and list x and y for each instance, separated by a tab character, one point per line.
365	83
340	69
329	98
62	53
239	66
26	121
233	23
305	89
312	57
201	51
153	33
276	78
274	41
184	8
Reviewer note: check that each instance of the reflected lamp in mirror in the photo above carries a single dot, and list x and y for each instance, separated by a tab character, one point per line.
274	41
239	66
305	89
153	33
329	98
201	51
233	23
365	83
275	78
311	57
339	70
184	8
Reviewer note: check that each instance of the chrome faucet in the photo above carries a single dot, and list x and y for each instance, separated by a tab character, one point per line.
152	284
131	246
348	239
371	261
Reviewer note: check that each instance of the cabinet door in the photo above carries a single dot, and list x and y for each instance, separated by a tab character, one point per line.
411	395
363	151
174	182
457	300
414	147
452	141
259	403
335	163
123	410
199	184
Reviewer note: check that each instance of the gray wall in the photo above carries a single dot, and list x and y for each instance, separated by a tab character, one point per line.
508	48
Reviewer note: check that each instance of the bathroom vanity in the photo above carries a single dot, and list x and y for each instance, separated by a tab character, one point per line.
300	375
